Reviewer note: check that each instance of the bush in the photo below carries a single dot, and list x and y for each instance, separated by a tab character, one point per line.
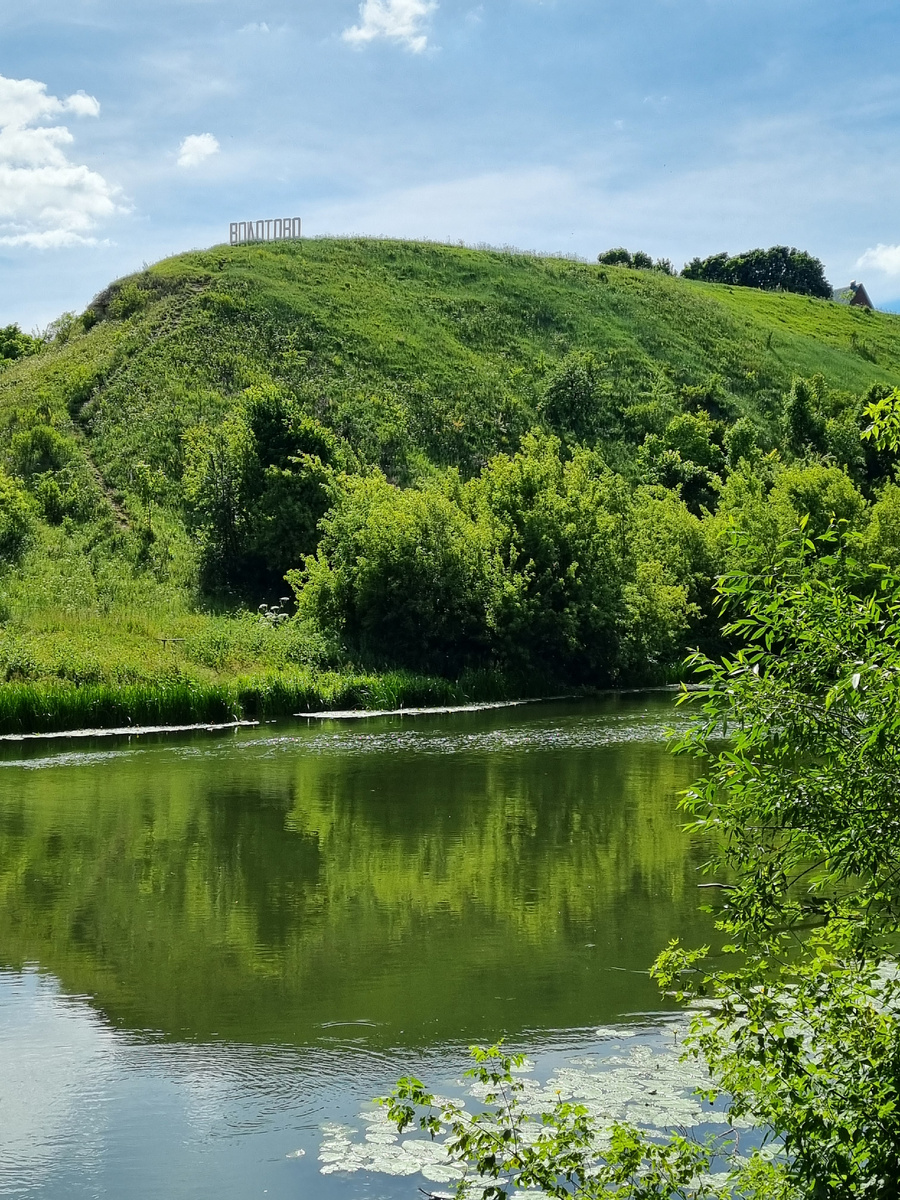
257	486
803	420
39	449
638	261
572	401
399	577
15	519
531	568
16	344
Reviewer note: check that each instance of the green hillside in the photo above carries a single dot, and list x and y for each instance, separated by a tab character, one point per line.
170	454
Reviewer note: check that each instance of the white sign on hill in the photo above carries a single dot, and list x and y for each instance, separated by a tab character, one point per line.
281	229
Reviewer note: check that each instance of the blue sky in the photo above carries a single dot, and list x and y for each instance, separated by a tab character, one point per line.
136	129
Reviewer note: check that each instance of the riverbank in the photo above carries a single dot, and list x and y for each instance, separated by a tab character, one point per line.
62	672
49	706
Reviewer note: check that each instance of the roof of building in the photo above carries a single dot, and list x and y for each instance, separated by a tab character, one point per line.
854	293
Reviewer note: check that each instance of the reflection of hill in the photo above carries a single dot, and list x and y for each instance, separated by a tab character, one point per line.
260	891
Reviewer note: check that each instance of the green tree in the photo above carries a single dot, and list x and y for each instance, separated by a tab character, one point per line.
740	442
15	519
780	268
574	402
16	344
617	257
218	460
805	1037
803	420
257	486
399	577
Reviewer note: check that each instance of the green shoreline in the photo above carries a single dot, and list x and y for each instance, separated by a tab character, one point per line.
56	707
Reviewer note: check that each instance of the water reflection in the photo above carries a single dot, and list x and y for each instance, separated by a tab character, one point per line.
211	946
453	880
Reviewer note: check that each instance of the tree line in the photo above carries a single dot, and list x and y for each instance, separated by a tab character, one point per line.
780	268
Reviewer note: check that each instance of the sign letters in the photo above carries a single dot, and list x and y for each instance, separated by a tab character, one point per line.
281	229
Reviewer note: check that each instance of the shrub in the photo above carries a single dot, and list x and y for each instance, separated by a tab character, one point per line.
15	519
399	576
572	396
16	344
531	567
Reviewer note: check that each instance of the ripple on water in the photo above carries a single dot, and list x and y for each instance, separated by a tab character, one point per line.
401	738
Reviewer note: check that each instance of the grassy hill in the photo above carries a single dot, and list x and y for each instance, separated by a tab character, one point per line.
169	455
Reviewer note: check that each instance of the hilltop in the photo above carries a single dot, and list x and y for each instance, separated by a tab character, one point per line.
515	460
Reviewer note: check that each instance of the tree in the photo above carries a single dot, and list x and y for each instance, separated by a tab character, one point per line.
16	344
639	260
15	519
399	577
150	484
803	804
573	400
257	486
780	268
803	420
218	460
617	257
740	442
800	1028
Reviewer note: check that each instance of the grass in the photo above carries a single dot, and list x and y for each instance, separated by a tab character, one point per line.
67	670
51	706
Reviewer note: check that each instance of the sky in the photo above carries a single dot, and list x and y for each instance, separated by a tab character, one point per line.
135	129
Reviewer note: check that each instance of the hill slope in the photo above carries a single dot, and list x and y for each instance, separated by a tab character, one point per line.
177	445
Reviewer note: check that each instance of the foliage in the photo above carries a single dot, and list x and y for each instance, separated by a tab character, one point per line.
883	415
780	268
16	344
257	485
531	567
808	1051
638	260
740	442
573	400
805	426
764	503
505	1148
15	519
399	576
799	733
811	703
802	805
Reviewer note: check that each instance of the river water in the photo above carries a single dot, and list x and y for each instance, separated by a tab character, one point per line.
215	949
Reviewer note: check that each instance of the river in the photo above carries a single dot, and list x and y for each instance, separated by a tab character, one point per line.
216	948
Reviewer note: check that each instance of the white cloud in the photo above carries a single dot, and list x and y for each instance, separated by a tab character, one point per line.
397	20
254	27
196	148
881	258
46	200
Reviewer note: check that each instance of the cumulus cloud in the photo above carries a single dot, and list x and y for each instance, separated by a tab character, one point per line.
882	258
196	148
396	20
46	200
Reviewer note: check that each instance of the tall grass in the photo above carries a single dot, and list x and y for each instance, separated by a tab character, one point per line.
50	706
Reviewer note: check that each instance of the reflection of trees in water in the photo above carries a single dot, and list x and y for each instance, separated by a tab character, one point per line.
222	888
519	836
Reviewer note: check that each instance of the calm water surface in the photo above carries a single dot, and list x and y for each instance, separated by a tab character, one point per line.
214	947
